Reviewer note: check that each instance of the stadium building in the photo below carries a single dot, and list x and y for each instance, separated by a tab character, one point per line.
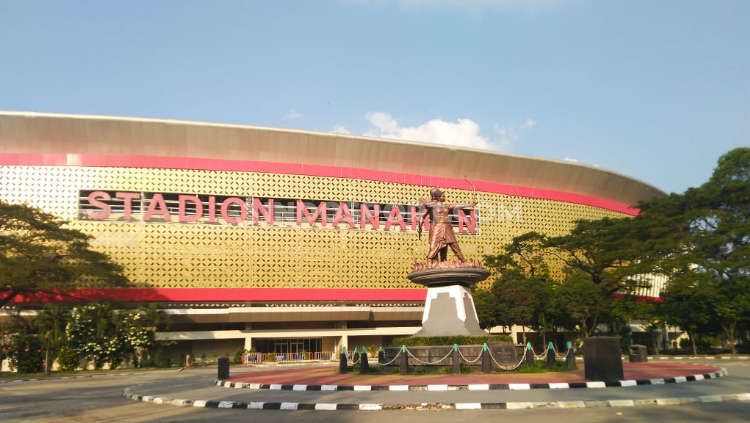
281	240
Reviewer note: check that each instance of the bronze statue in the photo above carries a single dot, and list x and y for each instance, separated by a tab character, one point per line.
441	230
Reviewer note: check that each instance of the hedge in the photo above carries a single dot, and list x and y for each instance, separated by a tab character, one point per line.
448	340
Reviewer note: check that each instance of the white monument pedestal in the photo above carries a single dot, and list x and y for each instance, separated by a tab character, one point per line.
449	307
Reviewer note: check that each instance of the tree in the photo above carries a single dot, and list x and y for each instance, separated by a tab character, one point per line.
50	326
138	330
521	293
484	302
38	254
707	238
99	333
720	232
580	303
92	333
25	351
689	303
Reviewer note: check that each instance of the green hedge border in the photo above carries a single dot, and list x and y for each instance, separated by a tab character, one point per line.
414	341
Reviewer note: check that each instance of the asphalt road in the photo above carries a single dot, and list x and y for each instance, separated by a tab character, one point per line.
99	399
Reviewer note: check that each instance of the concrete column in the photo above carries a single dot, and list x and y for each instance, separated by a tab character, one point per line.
343	342
248	342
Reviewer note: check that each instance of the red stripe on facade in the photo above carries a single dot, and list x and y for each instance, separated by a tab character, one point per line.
151	295
261	295
95	160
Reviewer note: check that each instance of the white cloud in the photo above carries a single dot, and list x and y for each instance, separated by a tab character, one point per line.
340	129
568	159
505	137
528	123
293	115
461	133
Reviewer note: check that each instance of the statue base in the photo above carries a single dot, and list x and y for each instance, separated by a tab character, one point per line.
449	307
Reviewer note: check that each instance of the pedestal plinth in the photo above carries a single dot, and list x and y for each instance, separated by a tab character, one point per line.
449	307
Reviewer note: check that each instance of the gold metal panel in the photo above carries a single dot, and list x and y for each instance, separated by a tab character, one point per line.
205	255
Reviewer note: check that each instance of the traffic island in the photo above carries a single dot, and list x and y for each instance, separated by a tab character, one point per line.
326	379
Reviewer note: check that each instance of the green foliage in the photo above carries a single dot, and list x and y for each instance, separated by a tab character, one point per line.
540	367
68	359
97	332
579	303
93	334
50	326
38	254
486	306
25	352
448	340
709	245
700	240
521	300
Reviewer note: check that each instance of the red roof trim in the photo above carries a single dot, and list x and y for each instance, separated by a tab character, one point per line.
260	295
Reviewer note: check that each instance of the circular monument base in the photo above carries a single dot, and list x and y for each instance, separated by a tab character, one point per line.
446	276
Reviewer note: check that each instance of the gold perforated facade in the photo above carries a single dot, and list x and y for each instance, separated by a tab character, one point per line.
246	255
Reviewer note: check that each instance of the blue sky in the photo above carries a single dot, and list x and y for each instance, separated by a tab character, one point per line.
657	90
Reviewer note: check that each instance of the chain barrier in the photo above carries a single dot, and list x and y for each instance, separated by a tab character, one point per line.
479	357
426	363
467	361
503	367
558	354
541	356
393	360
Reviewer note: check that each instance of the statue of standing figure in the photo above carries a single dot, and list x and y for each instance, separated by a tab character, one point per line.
441	229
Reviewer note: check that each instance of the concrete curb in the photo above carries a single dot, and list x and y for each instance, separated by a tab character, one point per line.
474	387
320	406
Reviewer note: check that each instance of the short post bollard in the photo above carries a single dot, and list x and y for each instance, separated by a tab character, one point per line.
486	363
456	360
550	359
403	361
364	367
570	358
343	364
223	368
381	355
529	355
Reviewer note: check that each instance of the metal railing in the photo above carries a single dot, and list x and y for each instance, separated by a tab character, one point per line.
258	358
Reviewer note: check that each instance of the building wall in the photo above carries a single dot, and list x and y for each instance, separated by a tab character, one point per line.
246	255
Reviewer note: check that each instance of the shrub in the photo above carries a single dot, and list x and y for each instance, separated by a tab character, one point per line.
68	359
237	359
25	353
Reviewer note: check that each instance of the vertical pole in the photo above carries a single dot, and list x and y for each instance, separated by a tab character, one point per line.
529	359
570	358
456	360
403	361
364	367
550	359
343	364
486	361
